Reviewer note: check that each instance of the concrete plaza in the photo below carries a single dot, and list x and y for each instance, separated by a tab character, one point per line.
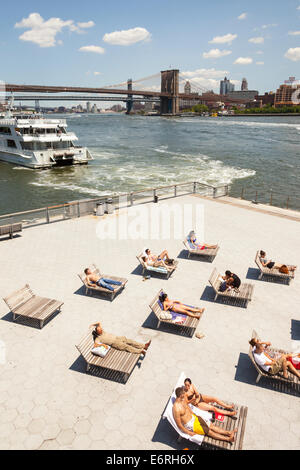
47	401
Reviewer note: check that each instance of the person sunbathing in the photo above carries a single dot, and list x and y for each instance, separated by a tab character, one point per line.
277	365
94	279
204	402
179	307
195	245
161	260
191	424
117	342
267	263
231	281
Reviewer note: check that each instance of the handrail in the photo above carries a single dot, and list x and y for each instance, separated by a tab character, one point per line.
108	196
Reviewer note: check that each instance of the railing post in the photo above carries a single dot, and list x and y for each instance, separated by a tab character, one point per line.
256	197
155	198
47	215
226	190
175	190
242	193
194	188
131	199
271	197
215	193
78	209
287	202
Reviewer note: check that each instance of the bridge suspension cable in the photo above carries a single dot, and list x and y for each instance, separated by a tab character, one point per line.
134	81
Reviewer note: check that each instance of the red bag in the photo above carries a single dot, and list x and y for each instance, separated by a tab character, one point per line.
295	361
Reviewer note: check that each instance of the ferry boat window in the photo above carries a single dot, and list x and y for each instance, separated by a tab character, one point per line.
5	130
11	143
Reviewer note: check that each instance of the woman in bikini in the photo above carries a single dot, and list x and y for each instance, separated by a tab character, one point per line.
203	402
179	307
195	245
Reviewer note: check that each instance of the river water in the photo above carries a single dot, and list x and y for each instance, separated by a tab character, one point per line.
135	152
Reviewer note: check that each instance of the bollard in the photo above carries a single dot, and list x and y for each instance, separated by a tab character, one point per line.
99	209
109	206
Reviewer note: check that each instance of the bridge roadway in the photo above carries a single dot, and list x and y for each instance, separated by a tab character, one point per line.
208	97
81	98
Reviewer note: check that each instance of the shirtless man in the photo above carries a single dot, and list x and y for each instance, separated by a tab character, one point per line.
94	279
203	402
117	342
179	307
155	261
191	424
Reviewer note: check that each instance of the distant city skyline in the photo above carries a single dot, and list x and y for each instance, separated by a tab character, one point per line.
66	44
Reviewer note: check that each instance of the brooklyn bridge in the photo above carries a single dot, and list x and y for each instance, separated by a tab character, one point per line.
168	96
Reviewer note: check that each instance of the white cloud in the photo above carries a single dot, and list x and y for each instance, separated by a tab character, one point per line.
208	79
216	54
94	49
88	24
257	40
260	62
294	33
97	73
293	54
243	16
227	38
43	32
243	61
127	37
272	25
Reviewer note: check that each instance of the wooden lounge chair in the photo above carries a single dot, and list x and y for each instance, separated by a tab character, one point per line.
158	269
120	362
23	303
209	253
242	296
99	289
273	273
228	424
189	325
10	229
262	373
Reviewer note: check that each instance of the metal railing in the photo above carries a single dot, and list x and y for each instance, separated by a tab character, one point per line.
83	207
269	196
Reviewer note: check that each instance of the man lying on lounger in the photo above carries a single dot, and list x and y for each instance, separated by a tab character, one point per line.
117	342
279	364
161	260
191	424
203	402
96	280
179	307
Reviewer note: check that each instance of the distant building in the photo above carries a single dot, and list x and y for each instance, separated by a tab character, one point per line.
244	86
89	107
187	88
267	98
94	109
226	87
248	95
284	95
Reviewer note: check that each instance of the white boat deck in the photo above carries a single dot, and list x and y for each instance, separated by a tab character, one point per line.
46	399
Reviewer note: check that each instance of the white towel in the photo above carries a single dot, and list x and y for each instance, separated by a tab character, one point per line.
207	416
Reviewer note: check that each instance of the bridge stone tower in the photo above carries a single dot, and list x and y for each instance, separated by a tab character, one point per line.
170	84
129	102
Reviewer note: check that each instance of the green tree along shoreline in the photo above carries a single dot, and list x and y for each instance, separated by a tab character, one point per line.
268	109
198	108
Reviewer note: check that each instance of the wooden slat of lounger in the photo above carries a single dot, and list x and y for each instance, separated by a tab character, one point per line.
244	293
229	424
38	308
19	297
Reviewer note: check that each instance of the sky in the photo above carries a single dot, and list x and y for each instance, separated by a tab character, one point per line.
98	43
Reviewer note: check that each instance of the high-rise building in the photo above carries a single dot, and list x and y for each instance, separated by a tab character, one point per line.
287	95
244	86
187	88
226	87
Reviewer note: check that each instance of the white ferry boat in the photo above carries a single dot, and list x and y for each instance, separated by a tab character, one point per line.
36	142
